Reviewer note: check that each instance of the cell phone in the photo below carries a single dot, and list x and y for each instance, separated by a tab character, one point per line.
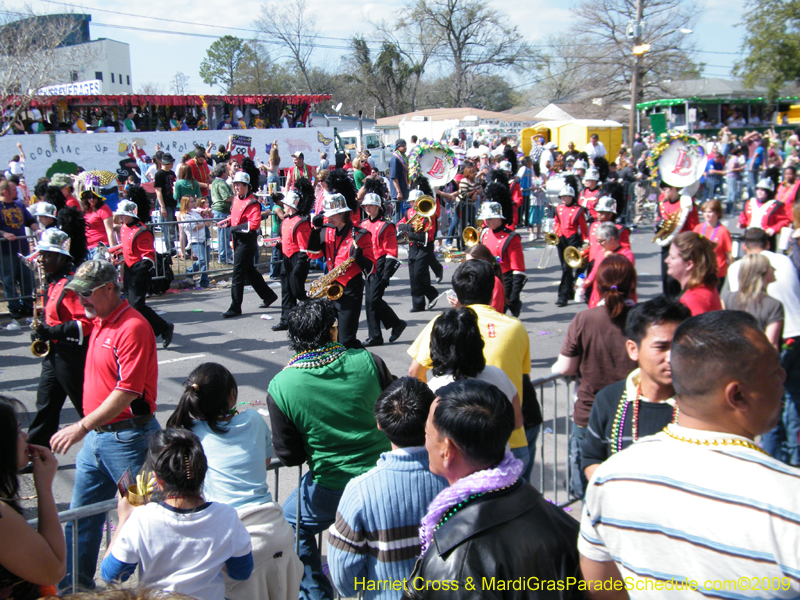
124	482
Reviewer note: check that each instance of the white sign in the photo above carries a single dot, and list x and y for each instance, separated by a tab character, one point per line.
63	152
79	88
692	115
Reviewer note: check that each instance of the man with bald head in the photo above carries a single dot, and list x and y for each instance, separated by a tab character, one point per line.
700	504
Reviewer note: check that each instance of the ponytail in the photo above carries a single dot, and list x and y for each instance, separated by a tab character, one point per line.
177	458
206	397
616	279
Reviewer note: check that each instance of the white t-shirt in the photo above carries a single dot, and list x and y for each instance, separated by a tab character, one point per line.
183	551
785	288
473	152
490	374
189	223
595	151
544	160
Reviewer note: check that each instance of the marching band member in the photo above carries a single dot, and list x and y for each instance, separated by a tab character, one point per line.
139	256
670	203
506	246
245	224
66	327
295	233
764	212
420	249
45	214
340	242
570	227
591	193
384	247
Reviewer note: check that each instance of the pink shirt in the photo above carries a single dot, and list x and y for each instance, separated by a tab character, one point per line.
95	228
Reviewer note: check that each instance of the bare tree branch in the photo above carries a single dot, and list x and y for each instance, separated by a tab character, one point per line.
292	26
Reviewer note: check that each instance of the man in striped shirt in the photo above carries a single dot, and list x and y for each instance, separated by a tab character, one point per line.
700	507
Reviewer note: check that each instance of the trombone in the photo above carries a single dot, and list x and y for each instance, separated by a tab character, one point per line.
470	237
551	241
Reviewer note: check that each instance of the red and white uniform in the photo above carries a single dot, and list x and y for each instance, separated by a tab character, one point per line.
64	306
517	199
384	237
665	209
570	220
246	210
787	193
121	356
137	243
588	200
295	232
507	246
770	216
433	223
340	245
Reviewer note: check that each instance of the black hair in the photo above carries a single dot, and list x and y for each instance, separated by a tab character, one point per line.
456	344
15	180
178	460
477	417
402	409
709	348
310	324
71	221
9	432
473	282
249	167
511	156
660	309
138	196
206	397
54	196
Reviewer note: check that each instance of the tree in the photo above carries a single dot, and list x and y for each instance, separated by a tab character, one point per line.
608	60
386	79
259	74
222	62
563	70
292	26
772	44
475	40
179	84
150	88
35	54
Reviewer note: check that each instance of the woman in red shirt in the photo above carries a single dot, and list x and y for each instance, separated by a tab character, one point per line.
99	222
719	235
692	262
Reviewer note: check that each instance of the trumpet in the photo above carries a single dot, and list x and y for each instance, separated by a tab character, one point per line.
551	241
39	348
262	241
575	257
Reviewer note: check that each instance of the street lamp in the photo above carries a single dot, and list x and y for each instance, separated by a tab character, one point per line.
639	49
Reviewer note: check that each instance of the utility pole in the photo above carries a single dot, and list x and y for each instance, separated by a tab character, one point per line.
637	61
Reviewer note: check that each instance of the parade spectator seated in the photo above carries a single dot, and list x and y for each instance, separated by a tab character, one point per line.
643	402
693	264
375	537
321	410
595	350
489	523
32	561
755	275
677	493
238	449
181	541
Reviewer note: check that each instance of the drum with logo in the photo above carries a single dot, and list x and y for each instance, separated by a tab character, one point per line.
435	161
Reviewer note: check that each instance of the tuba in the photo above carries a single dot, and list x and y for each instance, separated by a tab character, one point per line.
327	286
39	348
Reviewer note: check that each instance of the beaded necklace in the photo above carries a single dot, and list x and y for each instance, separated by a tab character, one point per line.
317	358
619	419
731	442
454	509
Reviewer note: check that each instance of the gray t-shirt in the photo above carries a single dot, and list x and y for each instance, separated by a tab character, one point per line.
767	312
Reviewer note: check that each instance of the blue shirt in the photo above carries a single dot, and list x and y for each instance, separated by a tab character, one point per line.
237	460
397	170
14	218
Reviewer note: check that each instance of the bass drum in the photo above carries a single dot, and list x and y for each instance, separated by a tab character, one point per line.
553	188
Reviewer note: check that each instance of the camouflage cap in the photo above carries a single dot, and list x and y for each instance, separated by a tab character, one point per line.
92	274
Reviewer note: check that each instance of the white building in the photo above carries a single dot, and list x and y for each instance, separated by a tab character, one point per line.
103	60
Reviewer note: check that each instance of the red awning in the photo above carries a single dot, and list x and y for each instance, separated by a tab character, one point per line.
174	100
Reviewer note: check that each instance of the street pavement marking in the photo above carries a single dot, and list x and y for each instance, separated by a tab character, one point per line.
174	360
21	387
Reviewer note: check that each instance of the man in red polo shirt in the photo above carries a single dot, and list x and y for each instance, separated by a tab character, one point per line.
119	404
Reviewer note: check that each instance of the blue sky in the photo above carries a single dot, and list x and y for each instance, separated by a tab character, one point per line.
157	56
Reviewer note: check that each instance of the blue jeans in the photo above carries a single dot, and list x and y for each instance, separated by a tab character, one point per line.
523	454
203	254
317	513
17	279
782	442
752	180
577	482
169	232
733	193
223	239
532	435
98	466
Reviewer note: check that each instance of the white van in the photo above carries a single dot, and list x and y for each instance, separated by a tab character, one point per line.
372	142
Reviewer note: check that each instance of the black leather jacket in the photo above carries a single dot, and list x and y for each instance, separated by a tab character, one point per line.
511	543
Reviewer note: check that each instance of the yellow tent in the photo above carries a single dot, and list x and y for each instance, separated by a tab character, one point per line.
578	131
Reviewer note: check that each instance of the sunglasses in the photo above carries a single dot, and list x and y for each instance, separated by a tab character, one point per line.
88	293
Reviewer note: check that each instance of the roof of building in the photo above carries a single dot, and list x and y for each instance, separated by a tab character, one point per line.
443	114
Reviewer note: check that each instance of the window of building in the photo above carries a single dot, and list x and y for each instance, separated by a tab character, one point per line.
112	78
120	78
98	75
73	75
128	78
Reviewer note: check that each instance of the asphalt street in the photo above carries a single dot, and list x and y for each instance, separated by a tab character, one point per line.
254	353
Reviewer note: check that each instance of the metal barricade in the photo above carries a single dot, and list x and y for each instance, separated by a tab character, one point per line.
18	283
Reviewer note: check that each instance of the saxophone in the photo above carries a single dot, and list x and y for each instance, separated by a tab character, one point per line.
327	284
39	348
